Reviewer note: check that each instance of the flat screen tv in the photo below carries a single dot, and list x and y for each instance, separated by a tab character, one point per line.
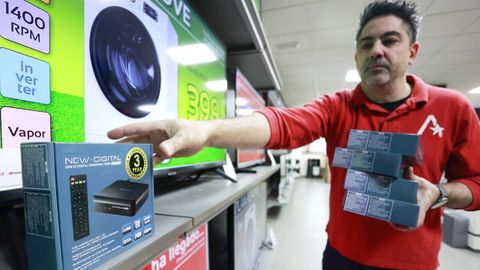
143	62
104	64
247	101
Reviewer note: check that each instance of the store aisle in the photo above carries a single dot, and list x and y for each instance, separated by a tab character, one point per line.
299	228
301	238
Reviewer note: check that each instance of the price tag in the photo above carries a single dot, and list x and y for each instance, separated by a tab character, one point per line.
201	105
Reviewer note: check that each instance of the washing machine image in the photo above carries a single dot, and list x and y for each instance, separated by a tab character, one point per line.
246	251
128	74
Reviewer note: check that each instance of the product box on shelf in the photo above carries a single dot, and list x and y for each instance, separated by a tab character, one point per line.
382	186
408	146
382	163
394	211
85	203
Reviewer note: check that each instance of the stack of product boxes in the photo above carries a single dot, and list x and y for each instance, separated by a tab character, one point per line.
374	184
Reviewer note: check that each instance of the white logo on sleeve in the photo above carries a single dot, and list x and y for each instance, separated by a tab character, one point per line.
435	127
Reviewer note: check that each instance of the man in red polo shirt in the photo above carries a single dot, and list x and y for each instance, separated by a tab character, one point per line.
387	99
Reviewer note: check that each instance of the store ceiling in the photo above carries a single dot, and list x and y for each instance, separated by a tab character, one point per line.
325	29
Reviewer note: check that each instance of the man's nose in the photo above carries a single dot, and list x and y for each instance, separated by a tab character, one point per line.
377	50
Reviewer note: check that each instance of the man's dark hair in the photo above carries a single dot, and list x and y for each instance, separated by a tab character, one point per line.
406	11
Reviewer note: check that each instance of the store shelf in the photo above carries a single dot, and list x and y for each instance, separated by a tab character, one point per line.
167	230
239	27
209	196
179	211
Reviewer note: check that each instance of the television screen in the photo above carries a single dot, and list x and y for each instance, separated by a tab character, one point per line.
247	101
144	61
103	64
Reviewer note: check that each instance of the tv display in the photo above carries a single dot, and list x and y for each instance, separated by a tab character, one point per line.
103	64
247	101
143	62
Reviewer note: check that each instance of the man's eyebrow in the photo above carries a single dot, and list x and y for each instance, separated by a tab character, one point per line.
391	33
384	35
365	39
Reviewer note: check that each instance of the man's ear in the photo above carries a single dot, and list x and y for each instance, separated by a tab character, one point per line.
414	48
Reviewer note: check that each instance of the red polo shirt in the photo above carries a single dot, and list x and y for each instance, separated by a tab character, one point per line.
449	130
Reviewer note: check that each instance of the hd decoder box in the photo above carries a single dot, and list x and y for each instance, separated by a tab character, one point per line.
408	146
85	203
394	211
368	161
382	186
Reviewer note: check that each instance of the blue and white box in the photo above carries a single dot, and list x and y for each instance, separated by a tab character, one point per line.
409	146
398	212
368	161
382	186
85	203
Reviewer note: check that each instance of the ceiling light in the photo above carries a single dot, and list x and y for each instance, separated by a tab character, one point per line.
192	54
352	76
475	91
217	86
288	45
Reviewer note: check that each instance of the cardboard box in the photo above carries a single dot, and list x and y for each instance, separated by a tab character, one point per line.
85	203
394	211
382	186
408	146
382	163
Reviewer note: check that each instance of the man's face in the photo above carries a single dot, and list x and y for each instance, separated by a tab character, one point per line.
384	50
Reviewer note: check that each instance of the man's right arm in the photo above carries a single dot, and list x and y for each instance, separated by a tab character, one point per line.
179	138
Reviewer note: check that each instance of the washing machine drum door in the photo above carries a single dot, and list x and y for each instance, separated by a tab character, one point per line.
125	61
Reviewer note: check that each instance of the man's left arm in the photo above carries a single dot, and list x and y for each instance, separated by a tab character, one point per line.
463	166
459	195
462	170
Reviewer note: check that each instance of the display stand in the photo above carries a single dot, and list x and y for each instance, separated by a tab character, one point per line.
245	171
217	171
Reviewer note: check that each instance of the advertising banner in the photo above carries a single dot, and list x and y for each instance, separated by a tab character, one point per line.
188	253
41	78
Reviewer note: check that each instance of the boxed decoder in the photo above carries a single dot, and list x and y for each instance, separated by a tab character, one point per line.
85	203
394	211
368	161
382	186
408	146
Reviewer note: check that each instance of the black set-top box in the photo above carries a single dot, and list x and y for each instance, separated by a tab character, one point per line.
121	198
408	146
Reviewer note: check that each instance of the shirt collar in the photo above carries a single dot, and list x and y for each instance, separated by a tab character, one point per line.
418	96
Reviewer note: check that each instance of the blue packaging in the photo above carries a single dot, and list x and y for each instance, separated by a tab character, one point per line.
382	186
408	146
382	163
85	203
393	211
